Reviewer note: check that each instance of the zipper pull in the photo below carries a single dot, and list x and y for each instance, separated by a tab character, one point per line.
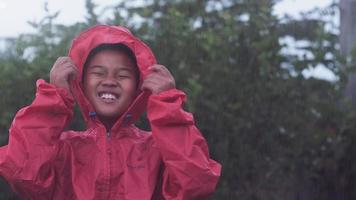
108	134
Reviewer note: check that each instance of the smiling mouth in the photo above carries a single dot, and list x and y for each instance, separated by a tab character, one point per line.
108	97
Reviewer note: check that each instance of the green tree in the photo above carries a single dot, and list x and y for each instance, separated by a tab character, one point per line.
272	128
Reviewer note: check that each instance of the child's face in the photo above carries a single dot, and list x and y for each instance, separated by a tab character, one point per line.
110	83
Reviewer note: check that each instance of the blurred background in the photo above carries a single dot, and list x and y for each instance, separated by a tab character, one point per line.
270	82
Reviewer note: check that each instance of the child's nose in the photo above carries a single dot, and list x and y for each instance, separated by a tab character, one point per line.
110	82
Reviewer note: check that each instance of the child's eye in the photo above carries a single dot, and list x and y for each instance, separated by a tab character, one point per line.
97	73
124	75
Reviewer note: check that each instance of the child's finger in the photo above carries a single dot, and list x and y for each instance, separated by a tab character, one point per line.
159	69
149	84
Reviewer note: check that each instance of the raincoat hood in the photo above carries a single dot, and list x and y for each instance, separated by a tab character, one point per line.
104	34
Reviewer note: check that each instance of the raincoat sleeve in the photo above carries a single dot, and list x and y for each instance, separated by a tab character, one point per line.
189	172
27	161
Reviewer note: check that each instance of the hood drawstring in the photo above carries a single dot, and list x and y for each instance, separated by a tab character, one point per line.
92	114
127	118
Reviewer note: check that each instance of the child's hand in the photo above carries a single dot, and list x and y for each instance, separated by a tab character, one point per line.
63	72
159	80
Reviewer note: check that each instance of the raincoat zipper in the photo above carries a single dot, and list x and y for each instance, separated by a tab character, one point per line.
108	154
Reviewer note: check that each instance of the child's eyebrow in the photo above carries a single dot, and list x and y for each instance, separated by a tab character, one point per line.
121	68
96	66
124	68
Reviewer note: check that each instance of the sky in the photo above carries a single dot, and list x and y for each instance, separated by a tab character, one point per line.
14	14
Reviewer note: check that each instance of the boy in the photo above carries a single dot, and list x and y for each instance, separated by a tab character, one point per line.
114	77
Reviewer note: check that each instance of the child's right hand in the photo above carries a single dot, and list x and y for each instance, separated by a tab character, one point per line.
63	72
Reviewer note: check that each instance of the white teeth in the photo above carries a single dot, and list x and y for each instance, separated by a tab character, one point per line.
107	96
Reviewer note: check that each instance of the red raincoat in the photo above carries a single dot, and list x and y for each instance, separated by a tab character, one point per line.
42	161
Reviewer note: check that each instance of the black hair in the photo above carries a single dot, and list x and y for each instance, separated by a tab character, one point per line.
115	47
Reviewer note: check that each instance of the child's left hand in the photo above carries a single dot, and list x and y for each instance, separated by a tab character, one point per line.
159	80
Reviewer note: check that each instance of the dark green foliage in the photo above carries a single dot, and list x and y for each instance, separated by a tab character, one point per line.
277	134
